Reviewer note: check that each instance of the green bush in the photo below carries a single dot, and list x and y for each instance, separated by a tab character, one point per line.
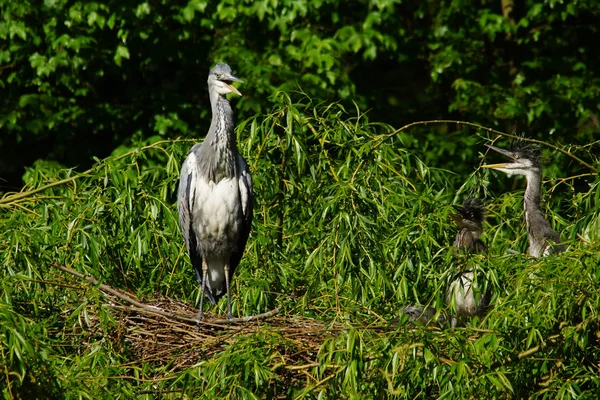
350	226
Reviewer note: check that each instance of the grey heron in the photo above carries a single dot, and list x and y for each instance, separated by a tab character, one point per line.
215	198
525	160
461	293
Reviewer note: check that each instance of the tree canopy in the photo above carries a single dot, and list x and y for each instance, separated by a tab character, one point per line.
81	78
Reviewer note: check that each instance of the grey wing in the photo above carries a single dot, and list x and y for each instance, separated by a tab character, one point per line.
185	203
480	247
247	200
551	239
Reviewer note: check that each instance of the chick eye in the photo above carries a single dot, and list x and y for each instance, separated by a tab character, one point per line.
516	156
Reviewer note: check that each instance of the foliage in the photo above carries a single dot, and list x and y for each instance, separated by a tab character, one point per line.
80	78
350	226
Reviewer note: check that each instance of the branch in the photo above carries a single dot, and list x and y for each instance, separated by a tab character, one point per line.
490	130
529	352
146	309
21	195
250	318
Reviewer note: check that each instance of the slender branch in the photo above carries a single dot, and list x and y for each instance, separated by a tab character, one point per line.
251	318
322	143
490	130
529	352
122	296
144	308
18	196
7	66
22	195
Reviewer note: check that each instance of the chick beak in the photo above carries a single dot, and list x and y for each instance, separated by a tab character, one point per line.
505	153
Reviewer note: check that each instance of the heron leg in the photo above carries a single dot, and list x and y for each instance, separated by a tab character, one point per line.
198	275
202	285
226	268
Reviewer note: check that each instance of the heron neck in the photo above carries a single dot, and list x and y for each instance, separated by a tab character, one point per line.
222	124
468	240
536	224
532	197
221	140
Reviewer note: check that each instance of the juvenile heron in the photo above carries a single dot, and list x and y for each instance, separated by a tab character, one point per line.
463	289
215	199
461	293
526	160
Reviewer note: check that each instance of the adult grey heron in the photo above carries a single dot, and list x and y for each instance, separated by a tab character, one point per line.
215	199
525	160
461	293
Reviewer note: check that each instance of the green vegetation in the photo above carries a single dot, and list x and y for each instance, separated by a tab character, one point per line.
349	227
101	101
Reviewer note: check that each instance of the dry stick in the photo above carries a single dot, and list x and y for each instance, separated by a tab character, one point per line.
251	318
447	121
122	295
219	323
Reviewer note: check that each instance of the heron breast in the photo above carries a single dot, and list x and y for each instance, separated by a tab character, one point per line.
217	216
461	293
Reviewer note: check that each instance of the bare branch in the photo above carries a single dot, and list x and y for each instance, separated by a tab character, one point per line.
490	130
146	309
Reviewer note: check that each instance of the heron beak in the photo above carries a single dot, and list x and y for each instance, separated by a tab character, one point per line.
233	89
495	166
505	153
458	219
227	81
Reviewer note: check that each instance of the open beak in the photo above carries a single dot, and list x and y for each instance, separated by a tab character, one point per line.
233	89
495	166
227	81
505	153
457	218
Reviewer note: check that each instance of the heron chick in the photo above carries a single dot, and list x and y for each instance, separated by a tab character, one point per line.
215	198
525	159
462	290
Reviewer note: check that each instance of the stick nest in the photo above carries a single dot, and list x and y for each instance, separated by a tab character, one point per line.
165	332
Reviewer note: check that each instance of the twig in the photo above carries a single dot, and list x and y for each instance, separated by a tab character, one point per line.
250	318
447	121
141	307
529	352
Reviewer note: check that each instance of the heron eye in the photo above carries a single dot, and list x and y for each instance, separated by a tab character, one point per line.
516	156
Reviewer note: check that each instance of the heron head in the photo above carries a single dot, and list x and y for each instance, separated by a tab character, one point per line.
524	159
470	215
220	79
